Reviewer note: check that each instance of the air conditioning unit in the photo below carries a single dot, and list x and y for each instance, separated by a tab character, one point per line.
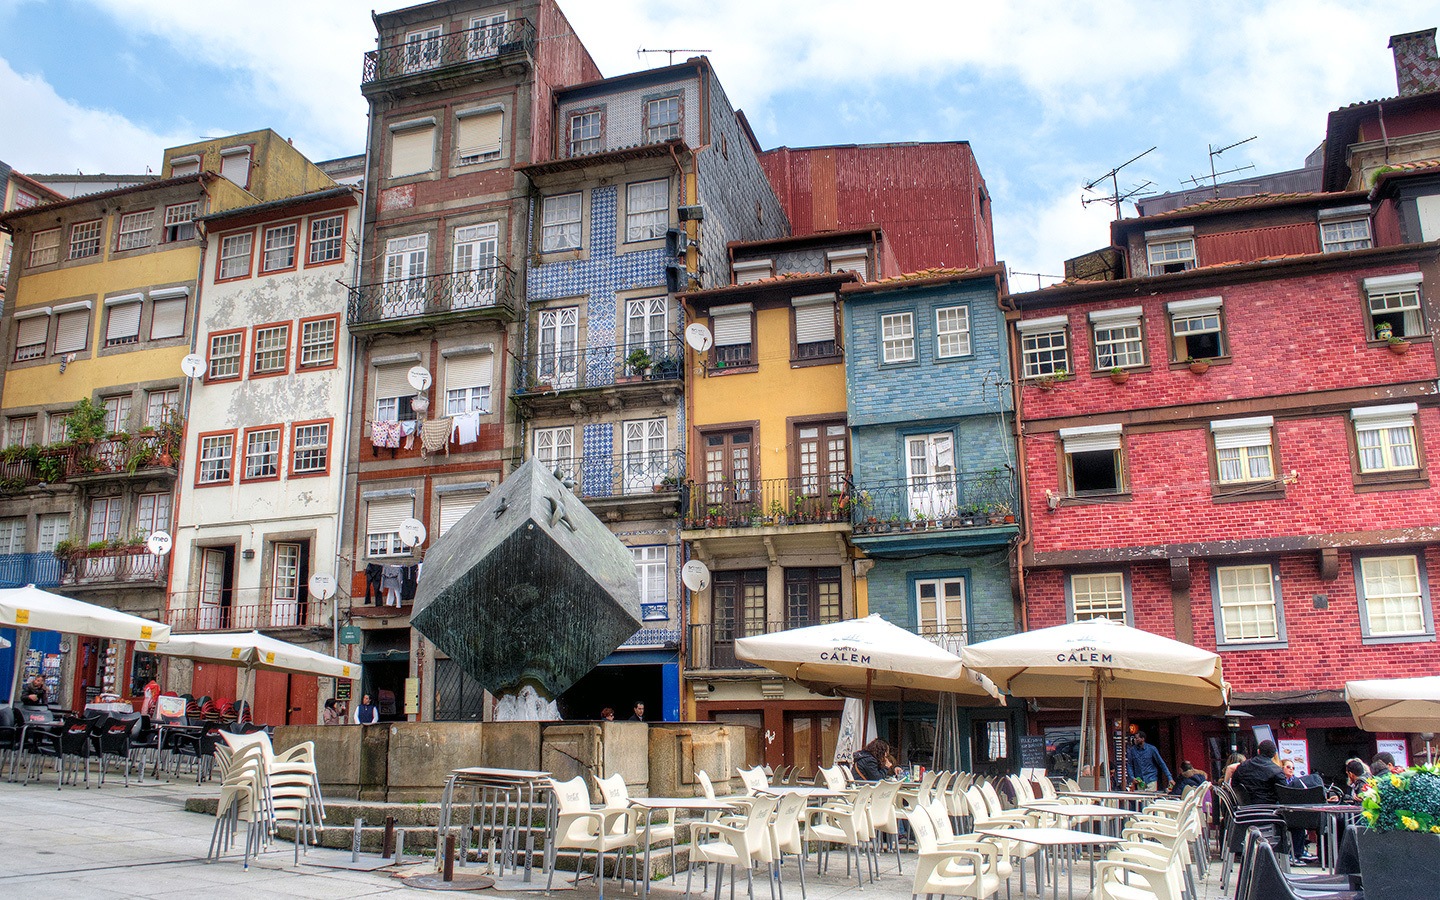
692	213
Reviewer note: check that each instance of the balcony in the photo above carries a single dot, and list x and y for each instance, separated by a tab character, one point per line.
955	639
114	568
777	502
712	647
19	569
635	485
29	466
118	457
413	63
602	377
432	299
965	510
252	610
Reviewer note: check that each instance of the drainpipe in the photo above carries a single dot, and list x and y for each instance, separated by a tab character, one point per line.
1002	300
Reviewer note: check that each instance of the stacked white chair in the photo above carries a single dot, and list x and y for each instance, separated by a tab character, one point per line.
962	868
244	797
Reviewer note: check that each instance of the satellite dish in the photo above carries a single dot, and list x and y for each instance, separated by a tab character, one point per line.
193	365
322	586
158	543
699	338
695	575
412	532
419	378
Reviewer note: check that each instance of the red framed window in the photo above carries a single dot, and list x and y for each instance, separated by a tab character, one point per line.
262	453
310	448
270	350
226	355
217	458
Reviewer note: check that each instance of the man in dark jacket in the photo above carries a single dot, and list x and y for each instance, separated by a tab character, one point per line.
1147	766
1257	776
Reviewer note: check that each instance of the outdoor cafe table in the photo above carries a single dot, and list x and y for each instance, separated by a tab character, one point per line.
507	799
1332	824
37	719
1062	839
678	804
1076	810
1129	797
806	790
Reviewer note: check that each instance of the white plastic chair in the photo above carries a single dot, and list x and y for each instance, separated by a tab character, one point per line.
962	868
846	824
742	844
578	827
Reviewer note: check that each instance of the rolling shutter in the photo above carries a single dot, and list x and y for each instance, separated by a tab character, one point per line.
454	506
1376	418
235	166
72	331
1090	438
32	330
385	515
412	151
1237	433
467	371
124	321
731	325
478	133
167	318
814	319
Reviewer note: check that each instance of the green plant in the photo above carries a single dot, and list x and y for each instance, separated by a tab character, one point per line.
12	485
85	424
1393	339
66	549
97	545
1117	370
638	360
670	483
1407	801
12	453
50	467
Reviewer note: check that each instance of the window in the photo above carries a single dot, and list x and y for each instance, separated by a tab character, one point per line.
160	406
737	609
280	244
558	362
317	342
382	525
181	166
117	412
897	337
285	579
1099	595
180	221
645	461
167	312
54	528
662	119
752	270
1242	450
122	320
272	350
857	261
152	514
952	331
22	431
822	458
262	453
732	326
487	33
327	240
1248	602
467	383
422	49
815	327
478	135
940	609
728	469
412	148
1170	250
647	210
235	255
931	491
555	449
647	325
44	248
24	200
1044	346
217	453
104	519
235	165
650	572
12	535
393	394
32	333
1385	437
57	430
226	349
1393	302
135	230
812	596
85	239
1118	338
473	278
1348	234
1093	461
310	448
1195	329
585	132
406	259
72	329
455	504
560	223
1394	597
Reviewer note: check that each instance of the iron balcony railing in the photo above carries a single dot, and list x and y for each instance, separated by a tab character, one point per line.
127	565
427	295
40	569
34	465
594	367
964	500
955	638
114	456
253	610
712	646
745	503
626	475
429	52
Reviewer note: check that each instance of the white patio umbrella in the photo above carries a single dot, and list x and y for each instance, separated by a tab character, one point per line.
252	651
30	608
1396	704
4	644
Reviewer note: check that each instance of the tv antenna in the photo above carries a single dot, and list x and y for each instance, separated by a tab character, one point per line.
642	51
1115	198
1037	276
1196	180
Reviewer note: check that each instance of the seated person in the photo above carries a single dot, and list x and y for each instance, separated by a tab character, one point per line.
1257	776
1384	764
874	763
34	692
1189	777
1356	774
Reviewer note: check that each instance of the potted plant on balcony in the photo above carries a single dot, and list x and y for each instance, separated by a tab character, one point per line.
1047	382
1197	366
1119	375
65	550
168	436
1384	331
1398	345
1003	511
638	363
668	484
1400	850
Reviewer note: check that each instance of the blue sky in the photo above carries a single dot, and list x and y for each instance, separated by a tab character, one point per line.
1050	94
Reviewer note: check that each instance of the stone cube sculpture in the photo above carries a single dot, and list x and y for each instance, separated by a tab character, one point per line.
529	587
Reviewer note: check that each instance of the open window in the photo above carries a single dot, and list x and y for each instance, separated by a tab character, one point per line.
1196	329
1094	460
1170	250
1393	306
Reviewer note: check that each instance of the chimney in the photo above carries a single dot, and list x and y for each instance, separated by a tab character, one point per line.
1417	70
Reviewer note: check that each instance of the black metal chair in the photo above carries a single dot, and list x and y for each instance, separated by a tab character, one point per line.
114	741
9	735
1300	821
1265	879
76	743
198	745
1267	820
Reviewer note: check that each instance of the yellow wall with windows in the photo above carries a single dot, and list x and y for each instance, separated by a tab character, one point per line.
276	168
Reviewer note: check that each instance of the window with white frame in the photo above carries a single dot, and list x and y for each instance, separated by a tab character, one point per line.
412	147
1094	461
1044	346
1243	450
478	135
122	320
54	528
217	452
585	132
555	449
57	429
952	331
1394	598
117	412
406	260
560	223
280	244
1170	250
72	328
85	239
814	326
467	383
1195	329
317	343
225	354
136	230
647	325
272	350
650	575
1394	306
1098	595
1248	601
422	49
647	210
22	431
645	461
235	255
1345	228
940	610
167	312
662	119
285	578
44	248
487	33
897	337
383	516
179	222
749	271
32	334
327	239
104	519
473	278
393	394
152	514
310	448
1385	437
558	363
12	535
1119	340
262	453
160	406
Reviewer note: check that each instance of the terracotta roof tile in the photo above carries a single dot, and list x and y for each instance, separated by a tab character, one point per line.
1223	203
924	274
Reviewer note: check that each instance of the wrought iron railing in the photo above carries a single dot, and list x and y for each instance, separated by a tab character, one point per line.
114	456
965	500
427	295
626	475
742	503
592	367
20	569
36	465
427	54
127	565
955	638
712	646
244	611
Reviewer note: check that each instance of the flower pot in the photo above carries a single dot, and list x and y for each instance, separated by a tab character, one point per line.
1045	385
1010	520
1199	367
1120	377
1399	865
1399	348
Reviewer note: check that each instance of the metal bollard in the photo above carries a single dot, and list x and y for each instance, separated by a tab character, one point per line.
449	870
355	840
387	843
400	846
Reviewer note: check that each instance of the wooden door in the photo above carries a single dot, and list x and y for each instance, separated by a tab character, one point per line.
303	706
272	694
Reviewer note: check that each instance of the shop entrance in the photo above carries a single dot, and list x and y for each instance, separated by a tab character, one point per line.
1330	747
619	688
387	664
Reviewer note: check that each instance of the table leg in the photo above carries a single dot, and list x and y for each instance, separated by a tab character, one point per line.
529	828
649	818
446	797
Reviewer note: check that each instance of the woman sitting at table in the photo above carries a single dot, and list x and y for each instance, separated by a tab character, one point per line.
874	762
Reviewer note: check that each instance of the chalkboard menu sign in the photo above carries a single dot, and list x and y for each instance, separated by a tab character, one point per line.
1032	751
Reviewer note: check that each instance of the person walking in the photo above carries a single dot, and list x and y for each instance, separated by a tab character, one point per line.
367	713
1147	766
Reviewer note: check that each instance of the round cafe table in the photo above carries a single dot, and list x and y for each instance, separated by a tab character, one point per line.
1063	840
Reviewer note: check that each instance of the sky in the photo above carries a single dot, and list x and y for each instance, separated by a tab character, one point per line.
1050	95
